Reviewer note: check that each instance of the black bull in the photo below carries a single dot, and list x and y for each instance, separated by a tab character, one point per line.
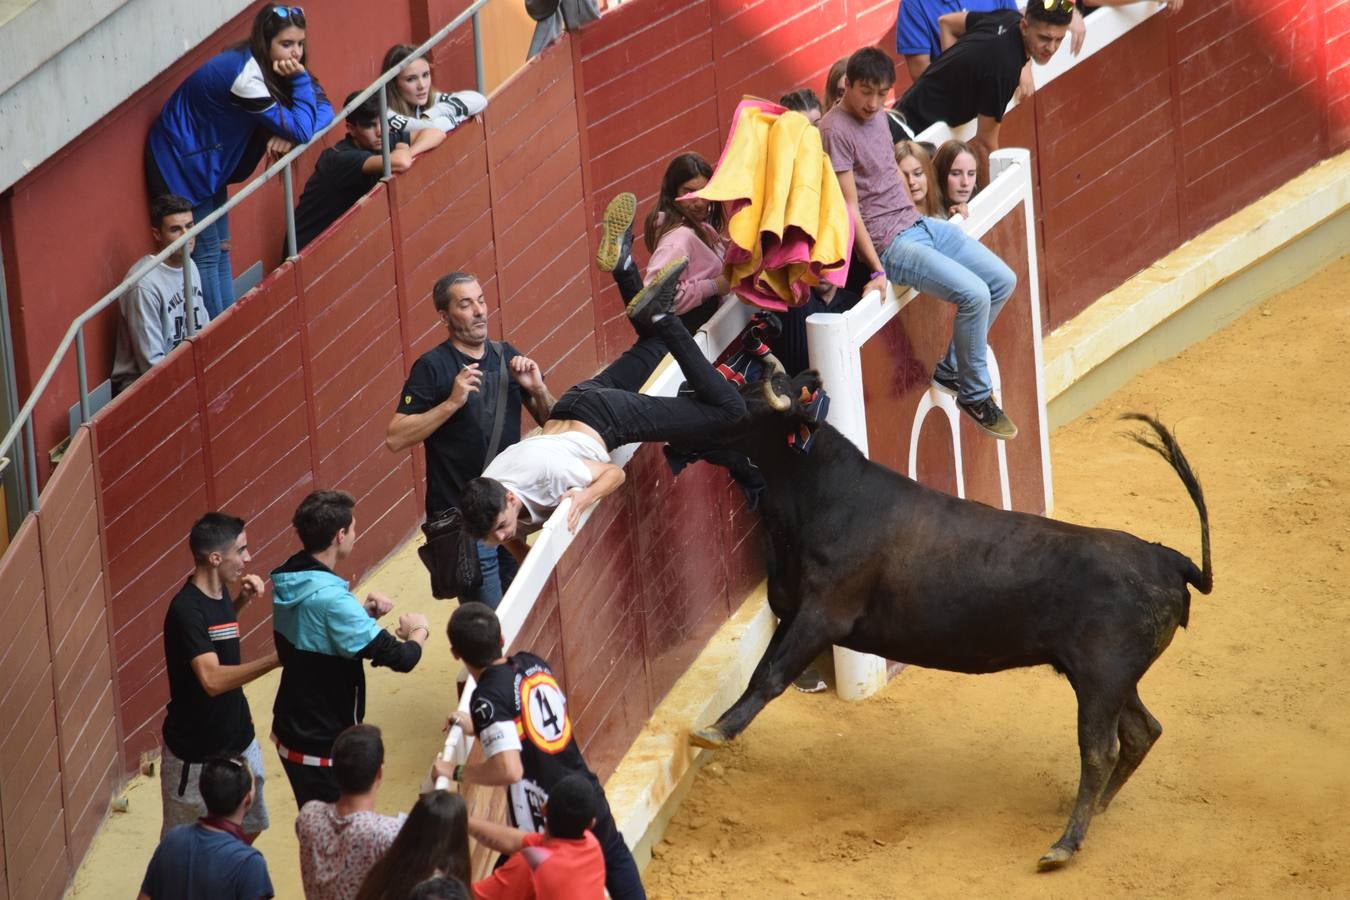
867	559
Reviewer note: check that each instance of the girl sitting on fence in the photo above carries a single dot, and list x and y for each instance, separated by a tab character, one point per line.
916	174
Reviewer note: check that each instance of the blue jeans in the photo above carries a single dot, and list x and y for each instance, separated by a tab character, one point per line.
213	260
938	258
499	570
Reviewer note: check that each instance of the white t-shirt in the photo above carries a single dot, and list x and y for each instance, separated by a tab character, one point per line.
543	467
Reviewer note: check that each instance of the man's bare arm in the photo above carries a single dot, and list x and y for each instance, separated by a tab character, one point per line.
951	28
406	429
606	479
915	64
496	836
216	679
500	769
862	241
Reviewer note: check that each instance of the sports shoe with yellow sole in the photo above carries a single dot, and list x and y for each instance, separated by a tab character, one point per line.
616	237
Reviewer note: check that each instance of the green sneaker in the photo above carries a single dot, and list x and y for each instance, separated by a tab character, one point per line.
616	238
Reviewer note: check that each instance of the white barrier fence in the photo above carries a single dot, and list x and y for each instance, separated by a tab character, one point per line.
835	342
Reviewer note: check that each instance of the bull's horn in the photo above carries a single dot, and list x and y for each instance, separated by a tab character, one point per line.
775	367
777	401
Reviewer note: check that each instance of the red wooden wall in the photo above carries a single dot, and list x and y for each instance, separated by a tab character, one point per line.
1186	120
60	749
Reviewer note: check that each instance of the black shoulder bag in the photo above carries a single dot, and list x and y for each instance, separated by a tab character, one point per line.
451	553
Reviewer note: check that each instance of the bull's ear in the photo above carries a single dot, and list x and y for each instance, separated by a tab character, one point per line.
806	383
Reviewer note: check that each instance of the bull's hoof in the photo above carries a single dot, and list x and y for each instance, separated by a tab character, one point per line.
708	739
1055	858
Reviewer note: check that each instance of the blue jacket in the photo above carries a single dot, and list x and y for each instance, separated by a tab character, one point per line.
322	633
208	134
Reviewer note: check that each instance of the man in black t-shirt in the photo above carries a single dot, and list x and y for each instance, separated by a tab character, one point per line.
449	403
208	714
977	75
348	170
519	714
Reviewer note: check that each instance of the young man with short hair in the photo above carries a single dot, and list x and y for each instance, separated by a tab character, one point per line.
904	247
154	316
565	861
982	65
339	842
570	457
449	404
346	171
212	859
519	714
208	714
322	634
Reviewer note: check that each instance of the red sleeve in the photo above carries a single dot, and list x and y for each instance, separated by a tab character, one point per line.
512	881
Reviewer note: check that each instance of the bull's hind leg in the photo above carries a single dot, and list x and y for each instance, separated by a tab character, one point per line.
1138	732
1098	712
795	643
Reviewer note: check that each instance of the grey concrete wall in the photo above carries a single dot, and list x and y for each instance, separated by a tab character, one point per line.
64	64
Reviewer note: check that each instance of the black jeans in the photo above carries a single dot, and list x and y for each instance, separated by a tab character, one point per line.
610	404
310	782
621	873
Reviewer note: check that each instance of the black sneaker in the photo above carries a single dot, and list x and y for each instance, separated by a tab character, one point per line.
989	417
810	681
947	385
616	239
657	296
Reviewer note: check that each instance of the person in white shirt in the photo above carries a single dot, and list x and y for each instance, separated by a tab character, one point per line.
154	317
569	457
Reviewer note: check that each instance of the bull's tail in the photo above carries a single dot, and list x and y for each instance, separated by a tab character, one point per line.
1166	446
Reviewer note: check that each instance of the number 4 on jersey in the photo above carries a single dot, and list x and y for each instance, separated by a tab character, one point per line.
543	710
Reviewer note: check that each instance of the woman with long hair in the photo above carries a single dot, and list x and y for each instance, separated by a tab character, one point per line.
414	104
916	174
834	82
691	228
433	841
257	97
955	167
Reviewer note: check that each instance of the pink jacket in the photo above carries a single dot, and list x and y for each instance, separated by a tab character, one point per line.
705	264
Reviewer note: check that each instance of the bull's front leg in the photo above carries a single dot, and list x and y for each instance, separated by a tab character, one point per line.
795	643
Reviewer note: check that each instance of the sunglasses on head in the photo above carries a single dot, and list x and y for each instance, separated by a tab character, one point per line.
1058	5
298	12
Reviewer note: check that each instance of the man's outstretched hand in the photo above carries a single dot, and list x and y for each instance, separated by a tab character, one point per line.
526	373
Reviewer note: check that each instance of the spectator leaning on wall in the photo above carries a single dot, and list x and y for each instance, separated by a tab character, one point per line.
346	171
982	67
256	98
520	716
154	316
322	634
208	714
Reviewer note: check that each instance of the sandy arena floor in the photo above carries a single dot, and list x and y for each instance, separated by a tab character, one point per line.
952	786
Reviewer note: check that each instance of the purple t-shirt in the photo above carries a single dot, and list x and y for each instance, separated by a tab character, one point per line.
866	149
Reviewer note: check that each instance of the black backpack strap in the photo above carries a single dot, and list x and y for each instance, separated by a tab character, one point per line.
499	415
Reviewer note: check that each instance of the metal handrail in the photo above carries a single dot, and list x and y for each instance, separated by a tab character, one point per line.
75	334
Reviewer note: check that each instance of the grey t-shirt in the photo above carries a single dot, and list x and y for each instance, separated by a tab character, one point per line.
152	320
865	148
